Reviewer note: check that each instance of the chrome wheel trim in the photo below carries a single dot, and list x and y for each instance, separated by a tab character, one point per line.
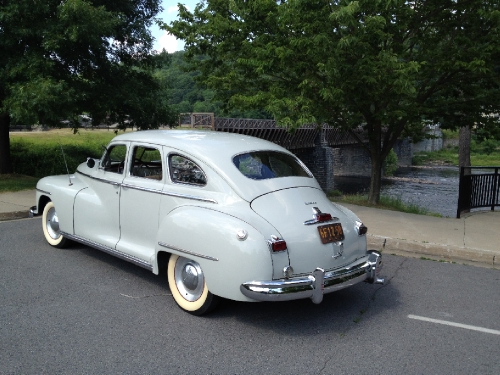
189	279
52	224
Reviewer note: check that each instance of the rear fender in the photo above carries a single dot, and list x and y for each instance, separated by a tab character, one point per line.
210	238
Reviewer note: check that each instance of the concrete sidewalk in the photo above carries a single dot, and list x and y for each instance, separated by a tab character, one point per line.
16	205
475	237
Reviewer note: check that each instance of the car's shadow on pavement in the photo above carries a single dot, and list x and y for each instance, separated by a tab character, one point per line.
337	312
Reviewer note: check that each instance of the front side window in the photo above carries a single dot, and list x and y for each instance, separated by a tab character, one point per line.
114	159
261	165
146	162
183	170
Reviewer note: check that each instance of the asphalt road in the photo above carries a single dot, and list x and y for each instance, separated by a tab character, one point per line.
80	311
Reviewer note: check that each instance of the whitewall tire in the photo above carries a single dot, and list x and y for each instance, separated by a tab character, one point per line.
188	286
50	225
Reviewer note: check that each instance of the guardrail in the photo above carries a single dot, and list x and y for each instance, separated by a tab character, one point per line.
478	189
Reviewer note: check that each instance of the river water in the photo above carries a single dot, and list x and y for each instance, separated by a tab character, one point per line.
432	188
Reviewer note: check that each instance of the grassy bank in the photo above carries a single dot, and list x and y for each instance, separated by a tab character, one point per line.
38	154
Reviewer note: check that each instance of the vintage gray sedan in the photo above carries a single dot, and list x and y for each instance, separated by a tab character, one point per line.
223	215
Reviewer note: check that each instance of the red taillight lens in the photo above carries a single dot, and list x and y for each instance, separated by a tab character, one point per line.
279	245
323	217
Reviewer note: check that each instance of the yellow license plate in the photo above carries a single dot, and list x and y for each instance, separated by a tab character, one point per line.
331	233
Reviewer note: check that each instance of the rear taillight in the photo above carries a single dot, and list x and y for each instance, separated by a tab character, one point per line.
277	244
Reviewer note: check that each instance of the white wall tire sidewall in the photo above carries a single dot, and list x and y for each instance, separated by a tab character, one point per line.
50	240
179	299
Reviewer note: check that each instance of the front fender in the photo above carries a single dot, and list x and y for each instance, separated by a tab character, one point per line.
59	190
209	237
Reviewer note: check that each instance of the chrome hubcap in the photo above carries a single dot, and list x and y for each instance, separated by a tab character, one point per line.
53	224
189	279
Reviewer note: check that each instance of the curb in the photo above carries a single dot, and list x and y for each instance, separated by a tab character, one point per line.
436	251
5	216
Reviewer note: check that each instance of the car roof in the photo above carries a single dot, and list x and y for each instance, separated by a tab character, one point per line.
199	142
217	149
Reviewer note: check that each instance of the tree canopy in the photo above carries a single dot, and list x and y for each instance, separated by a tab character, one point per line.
388	66
186	94
59	59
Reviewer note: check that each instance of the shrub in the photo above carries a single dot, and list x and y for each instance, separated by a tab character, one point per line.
390	163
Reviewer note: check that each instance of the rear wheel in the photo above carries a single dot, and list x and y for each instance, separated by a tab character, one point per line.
188	286
50	226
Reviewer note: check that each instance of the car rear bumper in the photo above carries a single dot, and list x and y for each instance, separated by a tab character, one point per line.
317	284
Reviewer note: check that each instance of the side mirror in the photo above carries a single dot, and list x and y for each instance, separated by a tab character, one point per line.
90	163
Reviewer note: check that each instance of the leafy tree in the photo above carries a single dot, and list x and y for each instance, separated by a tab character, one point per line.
59	59
389	66
186	94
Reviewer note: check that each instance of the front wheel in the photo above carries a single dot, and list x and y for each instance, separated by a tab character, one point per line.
188	286
50	225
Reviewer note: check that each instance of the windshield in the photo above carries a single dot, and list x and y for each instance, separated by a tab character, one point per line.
260	165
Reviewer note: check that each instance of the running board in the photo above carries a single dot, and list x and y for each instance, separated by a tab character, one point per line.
109	250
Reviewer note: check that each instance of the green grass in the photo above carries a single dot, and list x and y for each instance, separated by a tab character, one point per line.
39	154
386	203
16	182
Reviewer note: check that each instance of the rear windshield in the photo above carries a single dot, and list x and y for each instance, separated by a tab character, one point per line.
261	165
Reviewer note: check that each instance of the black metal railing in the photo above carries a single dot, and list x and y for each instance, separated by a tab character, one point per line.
478	189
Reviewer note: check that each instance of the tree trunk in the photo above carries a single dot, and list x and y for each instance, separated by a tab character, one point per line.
376	177
5	161
464	148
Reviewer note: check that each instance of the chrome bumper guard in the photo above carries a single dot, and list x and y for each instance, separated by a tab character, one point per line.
32	211
317	284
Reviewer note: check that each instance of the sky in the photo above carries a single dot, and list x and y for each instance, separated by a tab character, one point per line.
169	14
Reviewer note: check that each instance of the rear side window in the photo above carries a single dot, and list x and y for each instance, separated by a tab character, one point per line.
185	171
261	165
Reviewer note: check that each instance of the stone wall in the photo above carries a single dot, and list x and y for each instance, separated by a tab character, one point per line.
320	161
351	161
404	150
433	144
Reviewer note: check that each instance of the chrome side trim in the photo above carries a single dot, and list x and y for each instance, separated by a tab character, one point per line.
162	244
100	179
109	250
43	191
140	188
155	191
192	197
318	283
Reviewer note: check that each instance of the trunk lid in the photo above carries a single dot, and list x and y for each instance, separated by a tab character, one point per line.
288	210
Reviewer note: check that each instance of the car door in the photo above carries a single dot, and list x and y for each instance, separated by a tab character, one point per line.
97	208
140	200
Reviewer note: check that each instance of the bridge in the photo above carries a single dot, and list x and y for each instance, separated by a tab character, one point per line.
327	151
303	137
